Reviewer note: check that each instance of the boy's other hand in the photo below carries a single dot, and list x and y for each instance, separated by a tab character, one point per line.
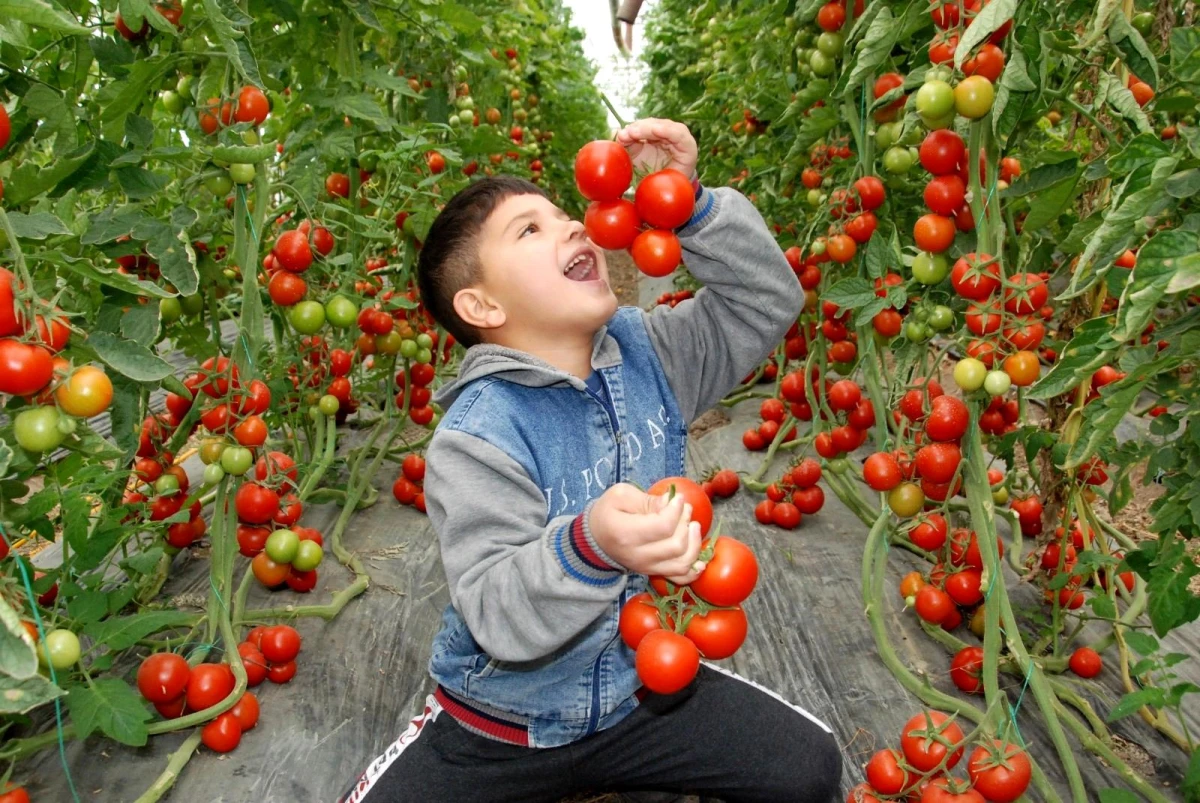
648	534
656	144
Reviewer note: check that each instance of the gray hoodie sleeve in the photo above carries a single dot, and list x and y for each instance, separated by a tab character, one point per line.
749	300
525	586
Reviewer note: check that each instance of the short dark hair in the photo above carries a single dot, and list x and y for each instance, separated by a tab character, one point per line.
450	255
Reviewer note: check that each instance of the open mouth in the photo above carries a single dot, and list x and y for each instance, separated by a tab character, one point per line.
582	267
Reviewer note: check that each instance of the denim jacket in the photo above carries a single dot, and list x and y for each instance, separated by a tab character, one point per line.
529	651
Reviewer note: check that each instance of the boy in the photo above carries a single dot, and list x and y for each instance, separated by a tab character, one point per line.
563	401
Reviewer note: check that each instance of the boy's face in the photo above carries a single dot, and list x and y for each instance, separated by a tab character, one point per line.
541	268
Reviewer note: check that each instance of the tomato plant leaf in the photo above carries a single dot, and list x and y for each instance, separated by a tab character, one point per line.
19	696
986	22
139	184
1184	184
36	225
1101	19
1164	255
1044	176
1141	643
110	705
120	98
1141	150
1130	703
141	324
1051	203
1170	602
17	656
85	268
1014	91
1123	102
1086	352
87	606
134	11
226	19
1102	606
121	632
1134	50
1101	417
1185	55
172	250
130	359
41	14
76	517
55	116
28	181
872	50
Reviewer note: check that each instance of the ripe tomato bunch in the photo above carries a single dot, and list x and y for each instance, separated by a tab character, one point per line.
670	627
774	415
844	398
721	483
664	201
855	207
794	495
420	408
932	744
672	299
954	583
409	487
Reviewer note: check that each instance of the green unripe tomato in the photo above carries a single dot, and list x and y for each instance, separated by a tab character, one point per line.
937	123
938	73
307	317
211	450
170	309
804	37
282	545
424	356
815	198
166	485
935	99
36	429
172	102
341	312
236	460
308	556
1143	21
822	64
454	121
941	318
213	474
60	650
969	374
930	268
329	405
66	424
972	97
838	465
887	135
831	44
997	383
897	160
219	185
408	349
1000	495
916	331
241	173
192	305
424	341
389	343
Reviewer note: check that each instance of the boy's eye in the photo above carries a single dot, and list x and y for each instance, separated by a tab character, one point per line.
526	230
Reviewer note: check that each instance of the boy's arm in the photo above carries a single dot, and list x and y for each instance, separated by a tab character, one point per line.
523	585
749	300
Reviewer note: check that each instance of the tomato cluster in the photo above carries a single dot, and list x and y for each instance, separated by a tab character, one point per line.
722	484
932	744
250	106
409	487
672	299
795	495
670	627
663	201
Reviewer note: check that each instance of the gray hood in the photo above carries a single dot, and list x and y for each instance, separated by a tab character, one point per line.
522	368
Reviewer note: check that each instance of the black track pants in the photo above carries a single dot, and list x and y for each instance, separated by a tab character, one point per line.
722	737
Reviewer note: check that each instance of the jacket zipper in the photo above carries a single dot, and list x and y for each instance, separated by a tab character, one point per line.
594	718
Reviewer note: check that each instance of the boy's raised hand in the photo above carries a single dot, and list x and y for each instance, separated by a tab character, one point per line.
647	534
656	144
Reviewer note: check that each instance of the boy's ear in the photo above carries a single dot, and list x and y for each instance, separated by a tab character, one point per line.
477	308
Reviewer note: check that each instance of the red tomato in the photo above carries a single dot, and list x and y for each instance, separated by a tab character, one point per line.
930	532
256	504
281	673
245	711
965	669
718	634
603	170
942	151
785	515
809	500
963	587
871	193
731	574
806	473
656	252
934	233
209	684
280	644
666	661
988	61
254	662
948	418
831	17
924	752
612	224
268	572
945	194
975	276
639	616
1000	771
1086	662
163	677
885	775
938	462
692	494
933	605
223	734
881	472
665	199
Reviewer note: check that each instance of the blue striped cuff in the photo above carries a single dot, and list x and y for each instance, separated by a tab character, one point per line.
580	556
706	203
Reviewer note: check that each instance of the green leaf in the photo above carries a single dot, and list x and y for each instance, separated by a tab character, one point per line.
119	98
17	656
44	104
85	268
366	15
141	324
1170	602
29	181
130	359
1044	177
986	22
1141	643
1123	102
37	225
1142	150
139	183
460	18
1185	54
1102	606
22	696
1190	786
122	632
1118	796
111	55
110	705
172	250
1105	10
851	293
872	50
88	606
76	516
1051	203
1164	256
1134	50
233	40
1101	417
1086	352
143	563
1184	184
40	14
1133	701
361	106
